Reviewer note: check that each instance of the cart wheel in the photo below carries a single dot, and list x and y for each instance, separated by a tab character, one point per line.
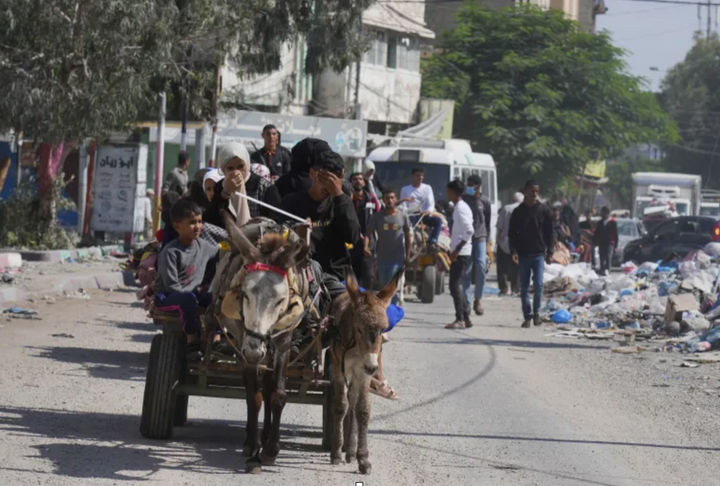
439	282
427	288
329	395
181	408
164	368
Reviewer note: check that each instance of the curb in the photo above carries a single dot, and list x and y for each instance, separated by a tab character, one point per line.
57	256
102	280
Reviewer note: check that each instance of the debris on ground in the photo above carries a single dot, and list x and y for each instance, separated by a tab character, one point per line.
20	313
79	294
672	305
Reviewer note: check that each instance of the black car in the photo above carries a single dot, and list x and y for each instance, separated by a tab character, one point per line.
680	235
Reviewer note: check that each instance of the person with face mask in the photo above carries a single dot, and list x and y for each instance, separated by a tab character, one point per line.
481	209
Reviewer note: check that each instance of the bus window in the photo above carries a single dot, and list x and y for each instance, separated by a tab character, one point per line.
488	184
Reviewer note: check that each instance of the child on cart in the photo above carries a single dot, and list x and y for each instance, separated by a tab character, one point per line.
181	269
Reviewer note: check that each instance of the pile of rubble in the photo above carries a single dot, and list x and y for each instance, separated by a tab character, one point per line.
673	302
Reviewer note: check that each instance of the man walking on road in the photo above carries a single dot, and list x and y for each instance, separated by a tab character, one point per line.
606	239
531	244
481	223
177	179
273	155
461	256
394	239
507	269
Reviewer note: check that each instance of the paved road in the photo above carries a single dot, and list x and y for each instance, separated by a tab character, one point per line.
494	404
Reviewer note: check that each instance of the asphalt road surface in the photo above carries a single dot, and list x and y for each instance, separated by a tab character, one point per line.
495	404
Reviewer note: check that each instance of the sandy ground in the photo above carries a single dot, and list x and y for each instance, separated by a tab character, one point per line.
495	404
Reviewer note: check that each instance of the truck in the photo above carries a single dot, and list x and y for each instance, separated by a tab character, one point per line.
658	195
710	205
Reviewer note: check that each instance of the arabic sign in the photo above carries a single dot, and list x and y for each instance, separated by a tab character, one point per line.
119	182
346	137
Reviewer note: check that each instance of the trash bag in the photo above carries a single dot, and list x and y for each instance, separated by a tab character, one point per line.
712	249
561	317
628	268
666	288
648	267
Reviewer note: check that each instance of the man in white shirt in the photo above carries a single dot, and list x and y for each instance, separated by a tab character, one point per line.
460	236
419	194
507	270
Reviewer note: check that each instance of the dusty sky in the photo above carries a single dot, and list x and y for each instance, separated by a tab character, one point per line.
654	34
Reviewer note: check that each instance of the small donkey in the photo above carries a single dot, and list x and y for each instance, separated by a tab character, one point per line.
360	318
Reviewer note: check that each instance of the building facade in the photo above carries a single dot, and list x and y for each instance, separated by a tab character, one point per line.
383	88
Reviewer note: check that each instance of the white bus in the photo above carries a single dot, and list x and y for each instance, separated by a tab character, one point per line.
443	160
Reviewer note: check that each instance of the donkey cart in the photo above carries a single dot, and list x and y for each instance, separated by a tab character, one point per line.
172	378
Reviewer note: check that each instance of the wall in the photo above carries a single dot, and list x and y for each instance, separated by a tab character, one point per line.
389	95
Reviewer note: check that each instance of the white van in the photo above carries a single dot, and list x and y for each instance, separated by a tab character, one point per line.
443	160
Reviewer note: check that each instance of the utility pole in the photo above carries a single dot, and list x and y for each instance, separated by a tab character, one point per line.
159	159
216	101
709	18
18	153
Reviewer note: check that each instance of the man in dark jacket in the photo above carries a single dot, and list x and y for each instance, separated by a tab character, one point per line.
273	155
606	239
531	244
482	211
304	154
335	225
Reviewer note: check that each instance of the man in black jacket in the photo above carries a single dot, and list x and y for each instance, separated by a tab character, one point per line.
335	225
606	239
531	244
273	155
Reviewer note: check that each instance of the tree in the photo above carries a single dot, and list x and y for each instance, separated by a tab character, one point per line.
539	94
72	69
691	95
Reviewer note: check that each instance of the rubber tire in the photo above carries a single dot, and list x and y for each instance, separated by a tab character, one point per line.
439	283
181	407
427	287
163	371
327	425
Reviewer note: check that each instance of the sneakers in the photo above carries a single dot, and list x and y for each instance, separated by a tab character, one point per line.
456	325
536	320
526	323
477	307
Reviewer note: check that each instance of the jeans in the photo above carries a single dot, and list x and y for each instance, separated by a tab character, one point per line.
434	222
186	303
507	272
534	264
606	253
479	262
460	270
386	272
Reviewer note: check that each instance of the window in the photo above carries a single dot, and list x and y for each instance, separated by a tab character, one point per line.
403	53
377	53
666	231
392	52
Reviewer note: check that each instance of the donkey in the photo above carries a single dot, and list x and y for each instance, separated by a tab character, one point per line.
255	306
360	318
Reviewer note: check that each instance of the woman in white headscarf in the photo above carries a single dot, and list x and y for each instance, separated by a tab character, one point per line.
211	178
238	180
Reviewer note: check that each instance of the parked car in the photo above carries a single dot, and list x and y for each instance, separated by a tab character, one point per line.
629	229
681	235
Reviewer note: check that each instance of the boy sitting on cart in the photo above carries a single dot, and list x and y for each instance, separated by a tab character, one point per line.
181	269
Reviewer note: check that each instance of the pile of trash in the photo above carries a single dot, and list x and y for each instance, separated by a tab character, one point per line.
676	298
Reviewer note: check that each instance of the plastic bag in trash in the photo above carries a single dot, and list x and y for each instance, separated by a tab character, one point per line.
622	282
552	305
597	285
666	287
648	267
687	269
561	316
712	249
628	267
626	292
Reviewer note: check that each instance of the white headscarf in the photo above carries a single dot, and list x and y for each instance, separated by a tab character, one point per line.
213	175
519	197
238	204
